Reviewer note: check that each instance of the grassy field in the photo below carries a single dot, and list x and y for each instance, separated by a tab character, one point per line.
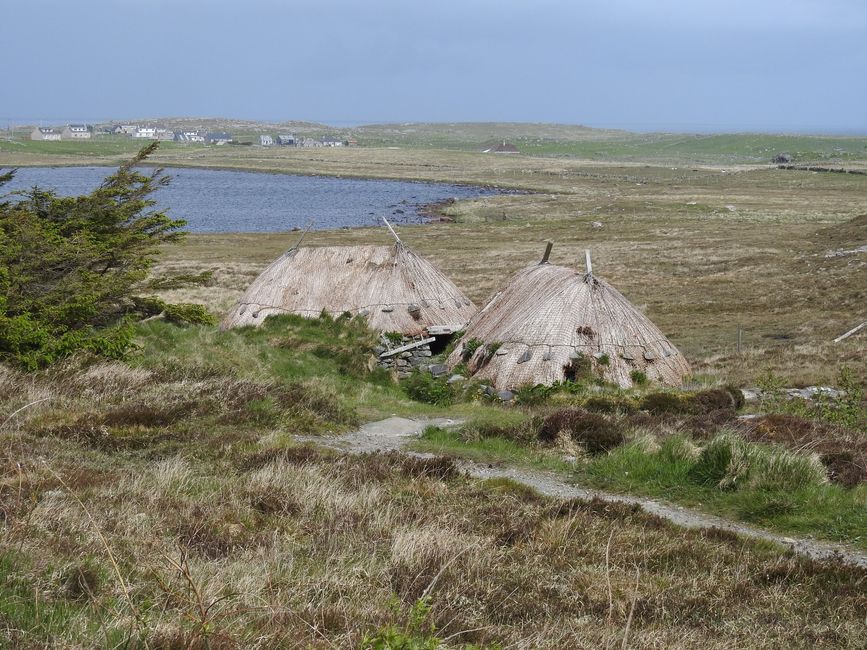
164	501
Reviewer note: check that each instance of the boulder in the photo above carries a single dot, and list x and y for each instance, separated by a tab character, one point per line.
438	370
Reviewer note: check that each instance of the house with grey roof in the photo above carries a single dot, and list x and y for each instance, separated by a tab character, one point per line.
266	140
218	137
188	135
75	132
287	140
505	147
330	141
45	134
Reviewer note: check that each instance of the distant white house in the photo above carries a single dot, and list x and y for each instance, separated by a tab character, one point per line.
218	137
309	142
163	133
75	132
287	140
126	129
145	132
45	133
266	140
331	142
505	147
189	136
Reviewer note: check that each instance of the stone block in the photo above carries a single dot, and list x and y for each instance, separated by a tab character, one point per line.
438	370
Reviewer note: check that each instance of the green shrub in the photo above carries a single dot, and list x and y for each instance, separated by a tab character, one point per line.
71	267
416	634
597	433
424	387
638	377
469	348
188	313
533	394
604	360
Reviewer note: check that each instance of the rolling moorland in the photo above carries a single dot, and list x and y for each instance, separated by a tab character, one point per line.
164	501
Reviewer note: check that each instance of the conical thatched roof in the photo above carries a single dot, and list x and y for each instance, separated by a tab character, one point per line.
552	318
396	290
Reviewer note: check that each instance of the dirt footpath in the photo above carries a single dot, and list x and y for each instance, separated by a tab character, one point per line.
394	433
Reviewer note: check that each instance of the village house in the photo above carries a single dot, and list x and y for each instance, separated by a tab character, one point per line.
45	133
218	137
329	141
266	140
287	140
505	147
309	142
145	132
164	134
127	129
75	132
189	136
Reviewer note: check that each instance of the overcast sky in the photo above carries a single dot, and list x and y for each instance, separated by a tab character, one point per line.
684	65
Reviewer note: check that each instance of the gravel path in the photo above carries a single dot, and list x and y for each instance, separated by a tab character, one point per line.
394	433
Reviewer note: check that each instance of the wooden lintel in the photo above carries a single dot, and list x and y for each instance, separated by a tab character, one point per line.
404	348
443	330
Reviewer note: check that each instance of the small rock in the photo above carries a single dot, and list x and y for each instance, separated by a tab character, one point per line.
506	395
455	379
489	390
379	349
438	370
595	224
405	355
387	309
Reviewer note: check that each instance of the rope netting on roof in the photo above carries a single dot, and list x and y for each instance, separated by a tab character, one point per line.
548	315
393	287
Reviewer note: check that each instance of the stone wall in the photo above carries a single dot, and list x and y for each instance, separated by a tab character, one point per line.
403	363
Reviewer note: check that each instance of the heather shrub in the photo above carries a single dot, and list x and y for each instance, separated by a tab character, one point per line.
595	432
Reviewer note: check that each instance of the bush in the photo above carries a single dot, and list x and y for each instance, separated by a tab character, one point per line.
601	404
469	349
597	433
424	387
533	394
715	399
638	377
664	404
70	267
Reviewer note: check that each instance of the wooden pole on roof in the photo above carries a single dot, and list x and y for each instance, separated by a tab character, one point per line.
393	234
301	238
548	246
587	263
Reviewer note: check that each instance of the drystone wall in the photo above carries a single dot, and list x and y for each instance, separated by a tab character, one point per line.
416	355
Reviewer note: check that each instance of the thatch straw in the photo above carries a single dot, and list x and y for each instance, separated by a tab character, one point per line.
550	317
396	290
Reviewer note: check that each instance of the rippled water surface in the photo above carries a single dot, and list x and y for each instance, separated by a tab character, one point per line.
230	201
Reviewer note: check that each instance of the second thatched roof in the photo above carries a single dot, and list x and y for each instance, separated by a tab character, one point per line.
551	322
397	290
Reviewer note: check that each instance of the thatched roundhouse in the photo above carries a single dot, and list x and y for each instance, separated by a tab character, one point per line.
553	323
397	290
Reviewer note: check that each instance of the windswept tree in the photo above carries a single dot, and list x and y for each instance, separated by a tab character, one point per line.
72	268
